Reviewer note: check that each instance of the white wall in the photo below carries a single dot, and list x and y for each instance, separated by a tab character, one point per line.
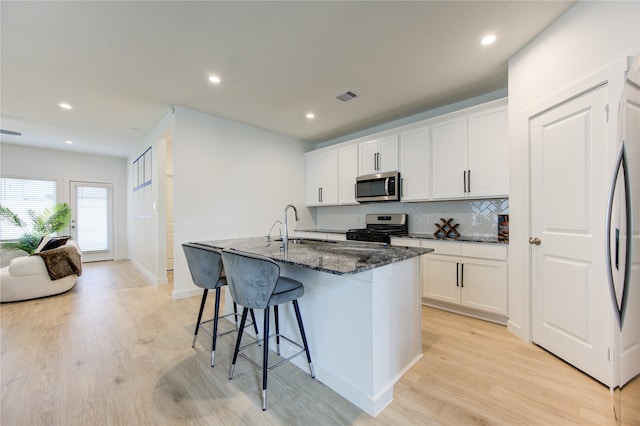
63	166
147	236
230	181
587	38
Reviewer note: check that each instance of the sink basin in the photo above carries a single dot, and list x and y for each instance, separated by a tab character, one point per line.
307	241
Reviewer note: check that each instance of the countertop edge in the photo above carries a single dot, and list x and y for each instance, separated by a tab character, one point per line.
420	236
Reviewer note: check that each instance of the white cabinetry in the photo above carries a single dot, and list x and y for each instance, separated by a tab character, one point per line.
414	164
469	154
313	235
322	177
347	174
378	155
467	278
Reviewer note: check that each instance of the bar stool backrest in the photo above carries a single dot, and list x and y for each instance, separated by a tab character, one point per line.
251	278
205	264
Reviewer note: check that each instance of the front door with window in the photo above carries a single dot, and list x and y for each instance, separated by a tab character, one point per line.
92	219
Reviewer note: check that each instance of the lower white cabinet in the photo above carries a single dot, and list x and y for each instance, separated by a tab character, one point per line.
470	276
313	235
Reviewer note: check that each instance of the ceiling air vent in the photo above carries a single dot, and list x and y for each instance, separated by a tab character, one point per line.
347	96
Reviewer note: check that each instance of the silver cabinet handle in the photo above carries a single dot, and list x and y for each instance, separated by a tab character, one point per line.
402	187
536	241
464	181
469	181
320	194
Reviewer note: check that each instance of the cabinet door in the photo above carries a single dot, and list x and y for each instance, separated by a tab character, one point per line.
439	278
322	178
414	165
483	285
449	158
378	155
347	173
487	153
367	157
388	154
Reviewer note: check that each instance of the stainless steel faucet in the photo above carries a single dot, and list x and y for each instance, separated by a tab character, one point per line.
273	226
285	236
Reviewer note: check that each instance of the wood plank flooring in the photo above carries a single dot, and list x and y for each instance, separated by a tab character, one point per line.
117	351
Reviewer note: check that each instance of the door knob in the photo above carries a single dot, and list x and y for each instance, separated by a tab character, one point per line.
535	241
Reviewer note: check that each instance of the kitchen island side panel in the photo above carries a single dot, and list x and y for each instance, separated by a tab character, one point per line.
364	330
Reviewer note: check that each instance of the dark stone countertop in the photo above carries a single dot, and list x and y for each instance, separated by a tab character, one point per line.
334	257
462	239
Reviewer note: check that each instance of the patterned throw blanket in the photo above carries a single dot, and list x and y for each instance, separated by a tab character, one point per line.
61	262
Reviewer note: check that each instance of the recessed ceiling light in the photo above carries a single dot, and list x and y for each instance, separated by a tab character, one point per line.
214	79
310	115
64	105
488	39
68	142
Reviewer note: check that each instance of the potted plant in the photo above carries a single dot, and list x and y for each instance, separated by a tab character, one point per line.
48	222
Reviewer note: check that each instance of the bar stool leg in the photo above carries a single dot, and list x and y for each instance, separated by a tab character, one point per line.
237	349
235	314
277	321
304	336
255	326
265	359
215	327
202	303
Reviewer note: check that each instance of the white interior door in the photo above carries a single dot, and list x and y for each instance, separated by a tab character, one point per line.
92	219
569	184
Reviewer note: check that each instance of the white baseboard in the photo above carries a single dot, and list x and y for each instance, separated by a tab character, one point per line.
186	293
148	275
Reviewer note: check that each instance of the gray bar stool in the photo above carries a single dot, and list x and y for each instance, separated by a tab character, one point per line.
205	265
255	283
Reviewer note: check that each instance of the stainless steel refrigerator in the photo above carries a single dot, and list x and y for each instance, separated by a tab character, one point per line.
623	251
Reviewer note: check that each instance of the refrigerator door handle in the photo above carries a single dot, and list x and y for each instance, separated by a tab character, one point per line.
620	167
618	249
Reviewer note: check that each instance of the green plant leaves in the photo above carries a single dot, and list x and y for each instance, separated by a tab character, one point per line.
50	221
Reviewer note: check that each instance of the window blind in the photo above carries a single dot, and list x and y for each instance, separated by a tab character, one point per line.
20	196
92	218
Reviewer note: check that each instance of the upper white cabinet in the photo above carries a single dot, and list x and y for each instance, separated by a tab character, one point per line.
347	174
378	155
459	155
322	177
414	164
469	155
488	151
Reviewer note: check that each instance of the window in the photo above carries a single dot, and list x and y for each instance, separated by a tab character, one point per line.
22	195
92	212
142	195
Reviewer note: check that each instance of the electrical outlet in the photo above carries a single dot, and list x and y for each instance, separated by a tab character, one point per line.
430	219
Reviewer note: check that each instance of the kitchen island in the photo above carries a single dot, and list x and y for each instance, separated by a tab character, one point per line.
361	311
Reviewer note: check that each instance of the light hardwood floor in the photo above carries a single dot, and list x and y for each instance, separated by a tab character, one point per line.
117	351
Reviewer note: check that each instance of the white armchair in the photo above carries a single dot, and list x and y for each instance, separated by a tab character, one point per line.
27	277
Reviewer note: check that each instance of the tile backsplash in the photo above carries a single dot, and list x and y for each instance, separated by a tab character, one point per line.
475	217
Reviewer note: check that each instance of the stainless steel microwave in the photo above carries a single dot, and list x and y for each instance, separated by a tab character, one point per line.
378	187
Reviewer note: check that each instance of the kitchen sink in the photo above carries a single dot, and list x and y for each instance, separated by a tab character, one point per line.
307	241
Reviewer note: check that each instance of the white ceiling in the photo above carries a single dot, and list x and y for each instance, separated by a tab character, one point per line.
122	65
